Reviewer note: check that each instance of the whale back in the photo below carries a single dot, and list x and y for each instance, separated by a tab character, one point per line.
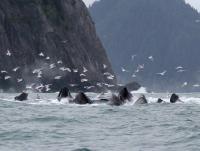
81	98
174	98
22	97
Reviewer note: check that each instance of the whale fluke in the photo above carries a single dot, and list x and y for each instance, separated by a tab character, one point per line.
22	97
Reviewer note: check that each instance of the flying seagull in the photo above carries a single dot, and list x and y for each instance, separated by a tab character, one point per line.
162	73
8	53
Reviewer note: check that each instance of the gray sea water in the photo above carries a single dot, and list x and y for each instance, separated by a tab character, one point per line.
47	125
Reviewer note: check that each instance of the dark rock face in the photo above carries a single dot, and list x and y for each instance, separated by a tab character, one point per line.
40	33
167	30
22	97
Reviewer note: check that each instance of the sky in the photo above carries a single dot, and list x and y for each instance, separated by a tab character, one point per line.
194	3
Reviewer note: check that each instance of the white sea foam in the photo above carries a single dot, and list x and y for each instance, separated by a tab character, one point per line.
50	98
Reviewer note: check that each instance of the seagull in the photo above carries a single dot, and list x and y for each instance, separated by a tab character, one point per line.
141	66
179	67
7	77
59	62
84	69
184	84
3	71
47	58
8	53
134	76
124	70
75	70
82	75
51	66
36	71
107	73
196	85
63	69
68	69
39	87
64	41
138	70
89	87
109	85
162	73
39	74
181	70
15	69
133	57
104	66
57	77
151	58
110	77
19	80
99	84
84	80
47	87
41	54
73	85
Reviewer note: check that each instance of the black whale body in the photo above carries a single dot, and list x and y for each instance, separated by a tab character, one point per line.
82	99
64	93
174	98
22	97
123	96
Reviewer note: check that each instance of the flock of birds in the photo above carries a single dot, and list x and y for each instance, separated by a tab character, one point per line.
140	67
83	73
60	66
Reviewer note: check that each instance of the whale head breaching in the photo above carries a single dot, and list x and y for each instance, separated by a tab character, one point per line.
22	97
174	98
124	95
64	93
82	99
115	101
142	100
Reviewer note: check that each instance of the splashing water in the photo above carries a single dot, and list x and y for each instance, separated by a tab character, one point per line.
46	124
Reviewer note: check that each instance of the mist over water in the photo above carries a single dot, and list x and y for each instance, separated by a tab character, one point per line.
46	124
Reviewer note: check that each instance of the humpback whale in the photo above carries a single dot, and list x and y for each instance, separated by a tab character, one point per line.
82	99
123	96
174	98
22	97
160	101
142	100
64	93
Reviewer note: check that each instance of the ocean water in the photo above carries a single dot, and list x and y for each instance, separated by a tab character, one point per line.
47	125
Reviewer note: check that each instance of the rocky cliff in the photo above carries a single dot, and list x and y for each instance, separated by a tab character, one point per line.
50	43
155	42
